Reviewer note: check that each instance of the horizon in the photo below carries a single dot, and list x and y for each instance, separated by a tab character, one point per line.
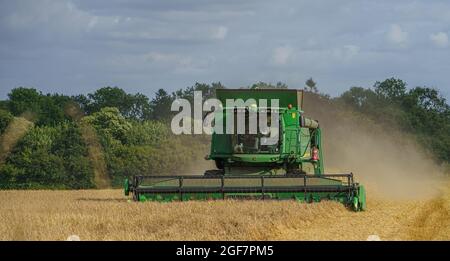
152	95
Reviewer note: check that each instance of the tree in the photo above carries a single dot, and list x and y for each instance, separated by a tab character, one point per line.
139	107
264	85
132	106
109	122
390	89
108	97
428	99
51	110
208	91
311	85
83	102
281	85
42	109
161	104
24	100
358	97
48	157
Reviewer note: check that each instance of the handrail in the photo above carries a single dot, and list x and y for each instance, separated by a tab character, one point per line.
138	180
247	177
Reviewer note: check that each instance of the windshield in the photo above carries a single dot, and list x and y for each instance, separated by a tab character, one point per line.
253	143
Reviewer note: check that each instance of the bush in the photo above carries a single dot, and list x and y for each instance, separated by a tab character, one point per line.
5	118
48	157
152	133
109	122
173	156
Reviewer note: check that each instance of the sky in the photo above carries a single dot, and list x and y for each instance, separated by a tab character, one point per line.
78	46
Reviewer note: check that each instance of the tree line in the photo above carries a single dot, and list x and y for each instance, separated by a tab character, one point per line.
134	135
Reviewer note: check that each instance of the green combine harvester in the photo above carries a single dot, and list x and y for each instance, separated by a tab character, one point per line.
247	168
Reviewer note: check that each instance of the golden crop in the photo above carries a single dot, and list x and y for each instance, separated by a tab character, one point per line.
108	215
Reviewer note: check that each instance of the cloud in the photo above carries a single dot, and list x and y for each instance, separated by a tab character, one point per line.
93	21
48	15
168	59
439	39
220	33
143	45
347	52
282	55
175	62
396	35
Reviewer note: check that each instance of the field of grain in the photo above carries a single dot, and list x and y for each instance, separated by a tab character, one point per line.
108	215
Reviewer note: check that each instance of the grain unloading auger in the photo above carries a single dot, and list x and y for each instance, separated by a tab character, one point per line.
249	168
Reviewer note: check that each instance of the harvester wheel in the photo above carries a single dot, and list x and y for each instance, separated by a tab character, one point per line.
355	204
126	187
219	163
135	196
295	172
359	201
362	198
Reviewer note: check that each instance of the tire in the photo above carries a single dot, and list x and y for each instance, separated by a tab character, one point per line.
219	163
135	196
295	172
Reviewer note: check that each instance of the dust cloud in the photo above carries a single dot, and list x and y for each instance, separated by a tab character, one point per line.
16	129
388	162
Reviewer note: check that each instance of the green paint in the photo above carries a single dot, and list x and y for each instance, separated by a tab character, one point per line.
295	145
298	196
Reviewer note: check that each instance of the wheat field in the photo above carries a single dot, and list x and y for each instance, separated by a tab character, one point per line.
108	215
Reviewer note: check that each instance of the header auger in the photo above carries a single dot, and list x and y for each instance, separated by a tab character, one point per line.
249	167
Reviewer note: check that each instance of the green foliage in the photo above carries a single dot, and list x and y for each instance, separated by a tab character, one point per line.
108	121
311	85
48	157
359	98
138	106
4	105
390	89
369	103
173	156
132	106
42	109
208	91
5	118
429	116
152	133
52	110
428	99
138	148
264	85
149	148
160	105
24	99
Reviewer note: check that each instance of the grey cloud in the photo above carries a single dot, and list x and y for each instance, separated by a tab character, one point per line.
79	45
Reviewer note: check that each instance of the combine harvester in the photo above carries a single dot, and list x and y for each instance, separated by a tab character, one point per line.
292	168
